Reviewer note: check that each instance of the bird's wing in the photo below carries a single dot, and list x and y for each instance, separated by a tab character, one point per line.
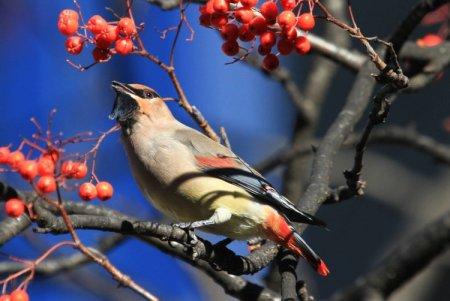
216	160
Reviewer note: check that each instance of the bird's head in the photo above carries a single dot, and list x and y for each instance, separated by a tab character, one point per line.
133	100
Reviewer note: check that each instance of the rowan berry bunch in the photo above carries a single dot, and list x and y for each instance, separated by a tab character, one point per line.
108	37
16	295
44	163
284	24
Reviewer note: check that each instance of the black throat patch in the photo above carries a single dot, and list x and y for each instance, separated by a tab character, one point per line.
124	111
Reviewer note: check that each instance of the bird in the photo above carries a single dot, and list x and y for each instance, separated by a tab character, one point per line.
198	182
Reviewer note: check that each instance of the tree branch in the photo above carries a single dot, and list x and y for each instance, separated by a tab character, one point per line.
394	135
403	263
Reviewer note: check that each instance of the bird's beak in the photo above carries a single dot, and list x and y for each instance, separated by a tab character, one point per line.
121	88
125	104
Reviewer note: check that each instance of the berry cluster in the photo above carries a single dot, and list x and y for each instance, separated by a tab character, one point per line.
48	171
284	25
16	295
44	170
108	37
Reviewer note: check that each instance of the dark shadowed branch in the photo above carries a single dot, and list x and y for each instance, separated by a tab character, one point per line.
408	24
394	135
316	86
318	190
403	263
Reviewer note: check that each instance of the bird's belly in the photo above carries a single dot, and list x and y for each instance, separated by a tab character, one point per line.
196	199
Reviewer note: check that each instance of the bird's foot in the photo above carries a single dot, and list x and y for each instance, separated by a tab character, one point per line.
255	243
191	239
183	226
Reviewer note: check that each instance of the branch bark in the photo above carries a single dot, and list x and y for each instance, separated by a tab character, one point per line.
403	263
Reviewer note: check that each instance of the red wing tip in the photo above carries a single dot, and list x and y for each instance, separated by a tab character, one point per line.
322	269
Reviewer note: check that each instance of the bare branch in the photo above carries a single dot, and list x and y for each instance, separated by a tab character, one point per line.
318	189
403	263
66	263
217	257
11	227
394	135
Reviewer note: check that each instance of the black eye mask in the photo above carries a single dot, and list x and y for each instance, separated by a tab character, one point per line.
146	94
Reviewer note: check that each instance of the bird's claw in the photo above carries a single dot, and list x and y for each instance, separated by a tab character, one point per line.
184	226
191	237
255	243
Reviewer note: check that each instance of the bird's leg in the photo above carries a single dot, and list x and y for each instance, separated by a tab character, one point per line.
220	215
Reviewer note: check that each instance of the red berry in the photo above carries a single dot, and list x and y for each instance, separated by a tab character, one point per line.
229	32
87	191
209	7
244	15
100	54
19	295
124	46
205	19
290	34
14	207
67	169
52	154
45	166
258	25
105	38
220	6
80	170
96	24
306	22
249	3
4	154
285	46
5	298
429	40
218	20
286	19
288	4
230	48
264	50
74	45
15	158
104	190
68	14
269	10
302	45
126	27
270	62
68	22
245	34
267	39
28	169
46	184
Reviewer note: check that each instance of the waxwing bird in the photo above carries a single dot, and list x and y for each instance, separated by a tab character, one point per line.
200	183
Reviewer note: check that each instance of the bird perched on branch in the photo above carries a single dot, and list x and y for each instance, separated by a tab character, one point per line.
200	183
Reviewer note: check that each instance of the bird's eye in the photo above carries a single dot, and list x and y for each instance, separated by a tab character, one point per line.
149	94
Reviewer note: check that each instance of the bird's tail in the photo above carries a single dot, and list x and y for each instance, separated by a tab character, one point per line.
284	234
